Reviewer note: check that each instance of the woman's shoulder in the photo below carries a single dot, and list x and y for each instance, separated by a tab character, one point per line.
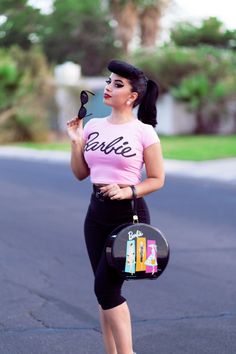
148	133
145	127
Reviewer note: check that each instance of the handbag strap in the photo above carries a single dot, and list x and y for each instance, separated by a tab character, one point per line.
134	199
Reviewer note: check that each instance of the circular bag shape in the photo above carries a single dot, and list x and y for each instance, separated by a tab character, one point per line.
137	251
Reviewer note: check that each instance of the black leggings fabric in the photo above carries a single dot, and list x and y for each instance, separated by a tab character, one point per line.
101	219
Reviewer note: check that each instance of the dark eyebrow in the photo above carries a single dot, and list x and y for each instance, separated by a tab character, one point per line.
119	81
116	80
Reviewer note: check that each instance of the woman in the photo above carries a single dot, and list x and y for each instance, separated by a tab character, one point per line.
112	151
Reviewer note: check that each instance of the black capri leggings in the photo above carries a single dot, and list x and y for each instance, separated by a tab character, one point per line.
101	219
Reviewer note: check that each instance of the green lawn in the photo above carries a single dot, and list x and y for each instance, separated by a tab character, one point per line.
60	146
195	148
199	148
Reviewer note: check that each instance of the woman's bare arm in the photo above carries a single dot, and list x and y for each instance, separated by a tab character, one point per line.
78	163
154	165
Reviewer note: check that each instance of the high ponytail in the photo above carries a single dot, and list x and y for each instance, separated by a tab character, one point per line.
147	111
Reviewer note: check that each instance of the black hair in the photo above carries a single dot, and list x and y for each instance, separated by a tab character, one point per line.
147	90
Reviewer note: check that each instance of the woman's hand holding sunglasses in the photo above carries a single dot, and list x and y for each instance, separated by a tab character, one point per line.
75	129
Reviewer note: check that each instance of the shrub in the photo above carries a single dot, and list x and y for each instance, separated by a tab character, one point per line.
203	77
207	92
167	65
24	92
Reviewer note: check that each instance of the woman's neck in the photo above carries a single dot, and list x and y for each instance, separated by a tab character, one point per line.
121	116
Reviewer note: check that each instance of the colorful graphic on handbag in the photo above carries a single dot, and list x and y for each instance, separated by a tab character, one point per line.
141	255
130	257
151	261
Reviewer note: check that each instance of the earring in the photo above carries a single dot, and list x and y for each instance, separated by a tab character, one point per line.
129	102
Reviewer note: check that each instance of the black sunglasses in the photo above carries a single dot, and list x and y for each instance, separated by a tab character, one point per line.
84	99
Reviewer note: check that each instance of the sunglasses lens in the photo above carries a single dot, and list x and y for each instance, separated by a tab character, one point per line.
82	112
84	97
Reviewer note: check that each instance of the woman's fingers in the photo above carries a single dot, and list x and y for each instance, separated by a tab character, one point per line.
73	122
111	190
75	128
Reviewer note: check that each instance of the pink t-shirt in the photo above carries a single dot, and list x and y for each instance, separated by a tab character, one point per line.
114	152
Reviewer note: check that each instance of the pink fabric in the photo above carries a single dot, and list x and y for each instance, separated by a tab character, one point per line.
114	152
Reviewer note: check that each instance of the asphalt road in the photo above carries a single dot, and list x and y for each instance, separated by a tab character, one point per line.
47	305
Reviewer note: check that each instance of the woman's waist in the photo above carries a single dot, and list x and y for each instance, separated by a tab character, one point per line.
101	197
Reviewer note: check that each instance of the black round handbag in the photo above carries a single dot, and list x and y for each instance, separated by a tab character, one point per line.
137	250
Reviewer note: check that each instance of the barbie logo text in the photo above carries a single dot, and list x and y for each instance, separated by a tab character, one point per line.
133	235
117	146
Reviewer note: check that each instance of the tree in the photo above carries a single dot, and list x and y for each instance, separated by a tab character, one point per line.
75	30
150	14
80	32
211	31
22	23
145	13
126	15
